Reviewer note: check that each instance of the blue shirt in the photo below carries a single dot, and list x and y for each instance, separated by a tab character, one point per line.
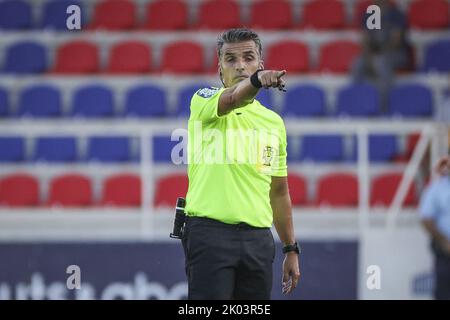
435	204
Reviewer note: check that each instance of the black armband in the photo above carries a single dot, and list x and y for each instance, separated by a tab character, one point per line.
254	79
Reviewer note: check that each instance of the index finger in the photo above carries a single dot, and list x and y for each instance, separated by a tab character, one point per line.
281	73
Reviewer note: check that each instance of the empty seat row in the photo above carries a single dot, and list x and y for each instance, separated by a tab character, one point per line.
135	57
75	190
124	190
148	100
119	149
213	14
341	190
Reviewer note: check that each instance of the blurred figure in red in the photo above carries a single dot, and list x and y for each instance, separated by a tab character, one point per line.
384	50
435	214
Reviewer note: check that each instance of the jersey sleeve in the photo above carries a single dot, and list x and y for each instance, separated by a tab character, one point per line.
428	206
280	164
204	104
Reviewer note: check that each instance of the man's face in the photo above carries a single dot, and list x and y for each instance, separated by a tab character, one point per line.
239	61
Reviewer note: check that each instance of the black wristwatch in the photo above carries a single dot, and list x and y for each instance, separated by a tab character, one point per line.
292	247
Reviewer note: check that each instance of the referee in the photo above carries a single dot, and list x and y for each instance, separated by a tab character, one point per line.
237	185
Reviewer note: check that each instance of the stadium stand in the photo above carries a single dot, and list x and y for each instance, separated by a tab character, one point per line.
138	99
54	14
114	15
40	101
12	149
15	15
130	57
306	100
384	187
166	15
55	149
122	190
169	188
358	100
26	58
271	14
337	190
297	189
4	103
429	14
163	52
219	15
77	57
19	190
70	190
109	149
93	101
291	56
323	14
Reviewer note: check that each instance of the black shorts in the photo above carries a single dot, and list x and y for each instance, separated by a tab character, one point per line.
226	261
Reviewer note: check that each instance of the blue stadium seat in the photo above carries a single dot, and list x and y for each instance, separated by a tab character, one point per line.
25	57
93	101
358	100
265	98
4	104
15	15
109	149
54	14
437	56
411	100
382	148
322	148
305	100
162	148
12	149
184	98
40	101
55	149
145	101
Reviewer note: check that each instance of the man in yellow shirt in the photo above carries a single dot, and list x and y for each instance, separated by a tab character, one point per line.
237	181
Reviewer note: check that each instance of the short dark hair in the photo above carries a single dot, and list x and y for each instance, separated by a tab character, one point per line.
238	35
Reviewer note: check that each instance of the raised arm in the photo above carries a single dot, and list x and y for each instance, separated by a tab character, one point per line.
244	92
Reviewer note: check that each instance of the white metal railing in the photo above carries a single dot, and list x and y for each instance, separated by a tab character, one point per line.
431	132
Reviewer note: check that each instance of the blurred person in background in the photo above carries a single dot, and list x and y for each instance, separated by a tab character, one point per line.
384	50
435	215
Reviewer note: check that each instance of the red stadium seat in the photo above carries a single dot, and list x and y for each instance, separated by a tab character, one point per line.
219	14
122	190
114	15
359	10
338	56
70	190
166	15
130	57
384	188
337	190
290	55
271	14
182	57
77	57
170	187
429	14
297	189
323	14
19	190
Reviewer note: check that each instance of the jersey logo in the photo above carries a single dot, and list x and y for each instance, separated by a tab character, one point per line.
267	155
207	92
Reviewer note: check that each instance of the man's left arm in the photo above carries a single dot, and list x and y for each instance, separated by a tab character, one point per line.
282	217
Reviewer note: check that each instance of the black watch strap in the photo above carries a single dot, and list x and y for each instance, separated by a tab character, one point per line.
292	247
254	79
